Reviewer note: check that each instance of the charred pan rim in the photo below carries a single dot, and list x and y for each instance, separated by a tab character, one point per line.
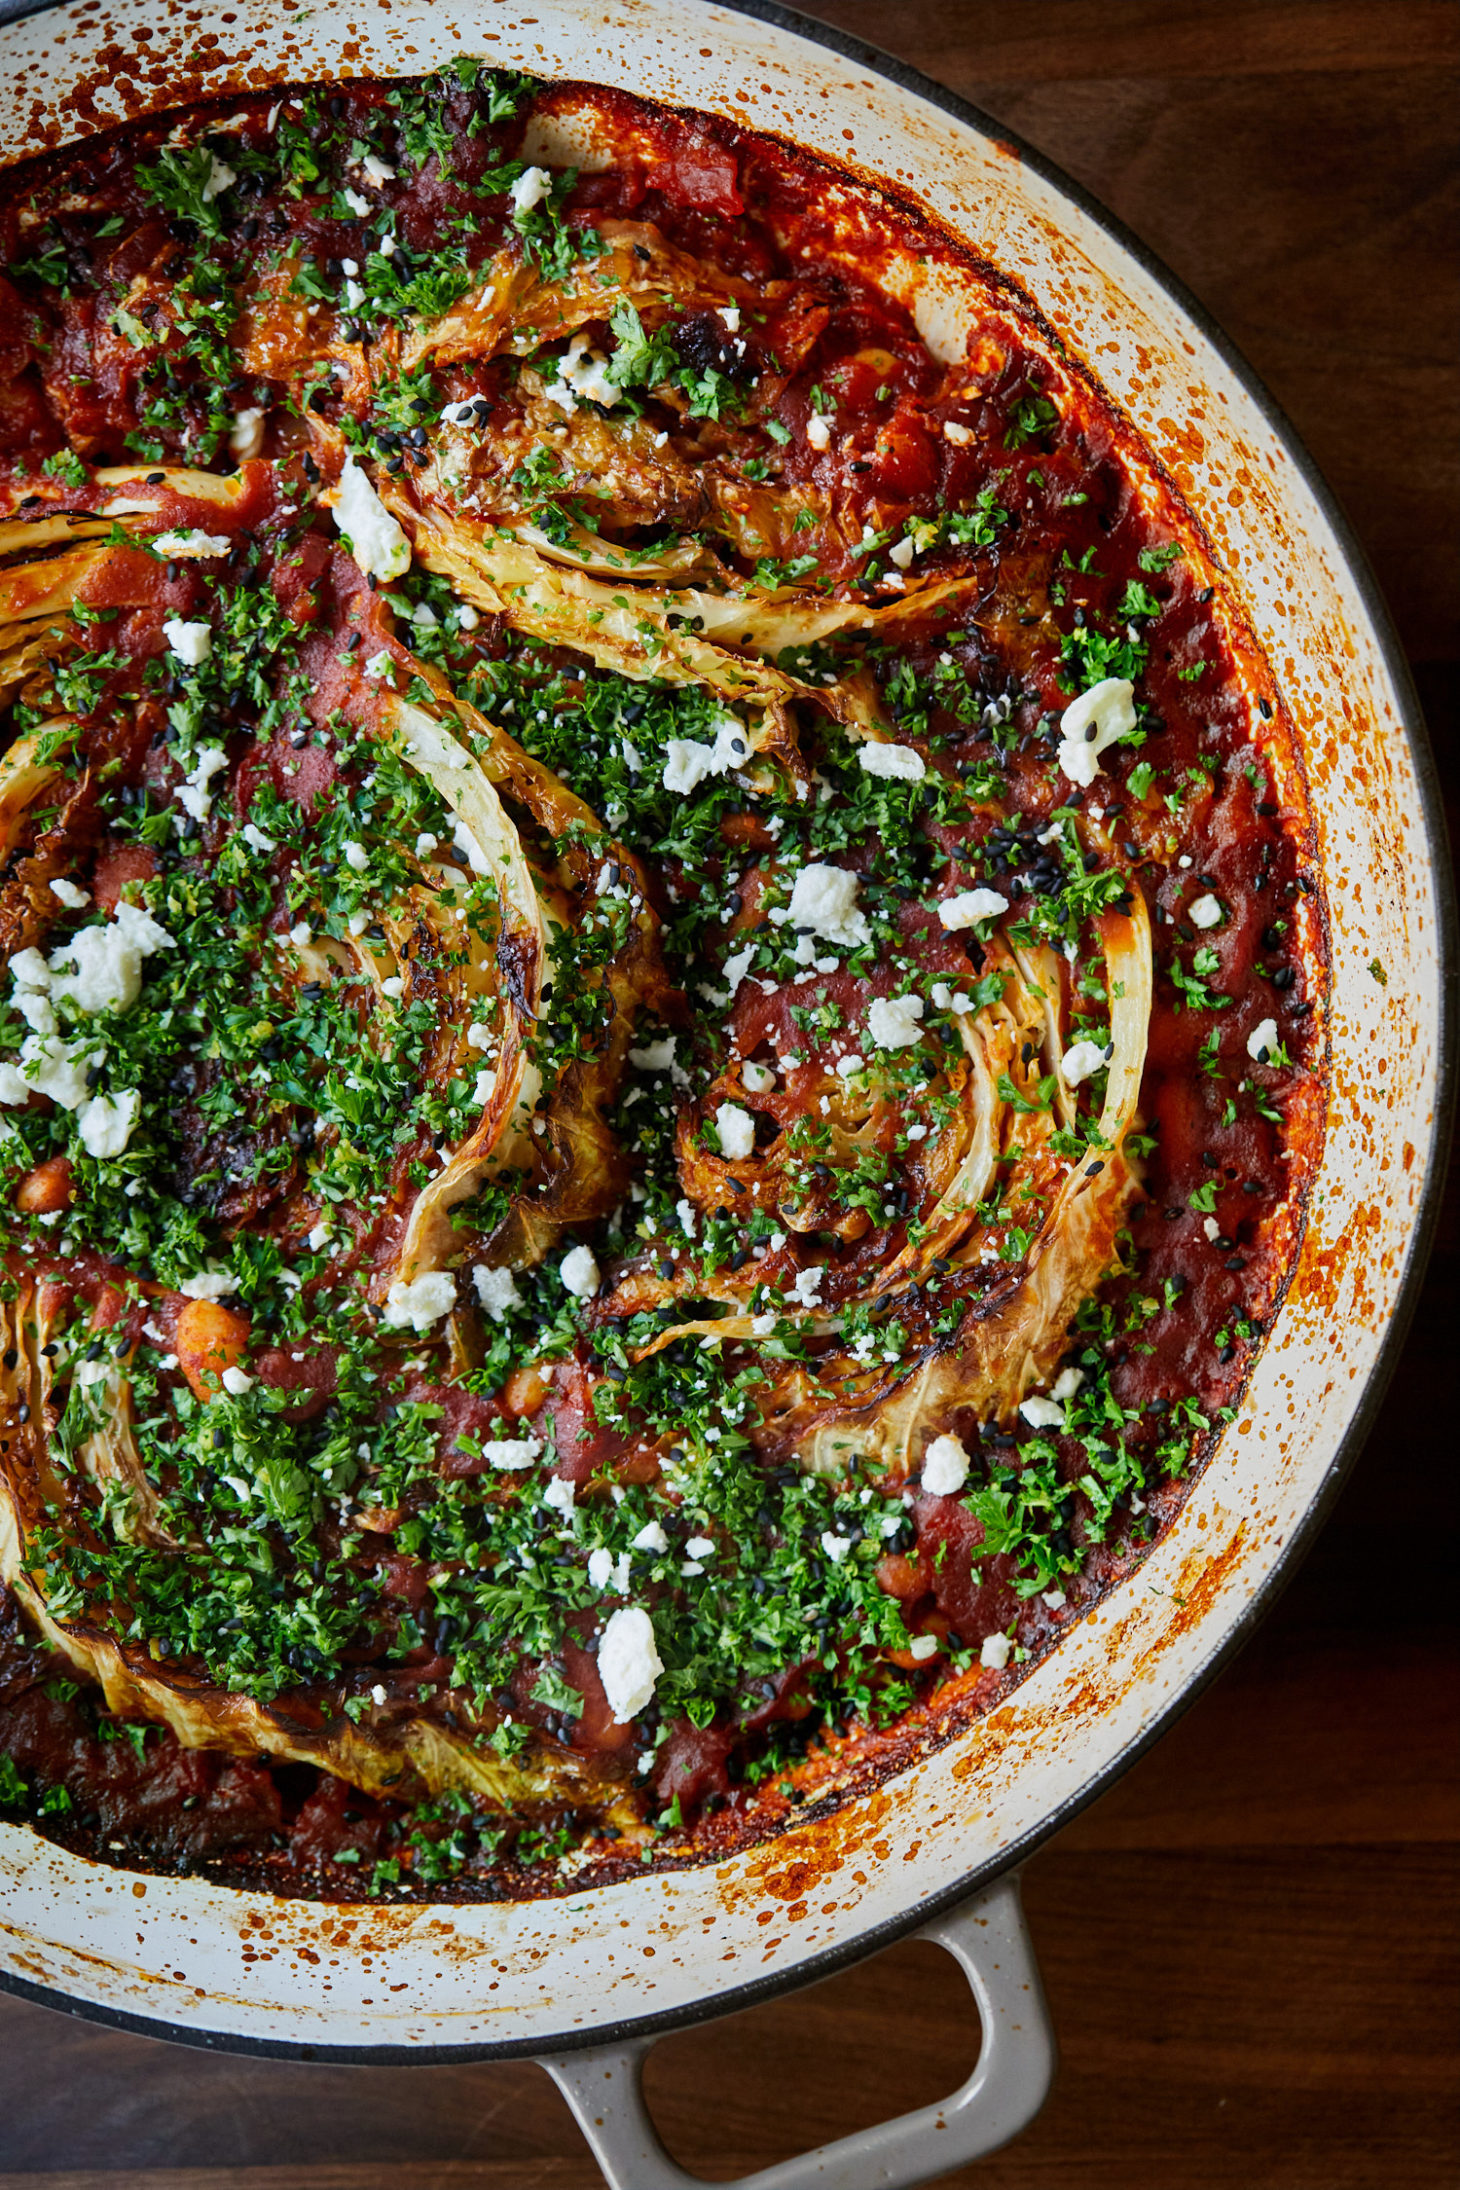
869	1942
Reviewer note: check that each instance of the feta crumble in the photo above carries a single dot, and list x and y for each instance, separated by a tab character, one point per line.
629	1665
995	1652
902	763
1262	1041
1080	1060
106	1123
970	906
417	1304
580	1273
1098	718
192	643
736	1128
496	1289
1205	912
945	1466
510	1454
893	1022
824	900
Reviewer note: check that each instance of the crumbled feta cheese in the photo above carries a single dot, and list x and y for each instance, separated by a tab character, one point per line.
945	1466
209	1285
736	1128
29	970
374	169
70	895
467	618
850	1064
629	1665
529	190
1080	1060
560	1494
737	966
301	934
355	855
806	1285
106	1123
393	987
202	545
995	1652
192	643
818	431
583	371
35	1009
256	840
317	1236
418	1303
1098	718
758	1079
836	1547
193	794
972	905
903	763
918	1132
580	1273
688	1216
237	1381
902	553
651	1537
893	1021
654	1056
379	666
687	761
1205	912
510	1454
108	961
1262	1041
354	296
700	1547
960	436
376	541
1067	1383
496	1289
1210	1228
824	900
358	203
923	1647
1043	1414
761	1326
607	1573
426	844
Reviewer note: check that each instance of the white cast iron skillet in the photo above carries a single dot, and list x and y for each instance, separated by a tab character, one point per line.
585	1984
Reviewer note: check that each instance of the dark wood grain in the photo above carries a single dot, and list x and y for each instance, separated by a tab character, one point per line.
1250	1943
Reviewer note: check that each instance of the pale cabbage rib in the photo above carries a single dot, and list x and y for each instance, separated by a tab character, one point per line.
400	1760
500	1136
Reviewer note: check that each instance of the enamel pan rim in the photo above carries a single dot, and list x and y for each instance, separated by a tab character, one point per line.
628	2029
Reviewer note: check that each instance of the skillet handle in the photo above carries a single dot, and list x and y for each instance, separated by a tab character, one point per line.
988	1937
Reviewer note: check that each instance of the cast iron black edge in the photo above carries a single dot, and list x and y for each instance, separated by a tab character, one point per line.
1411	716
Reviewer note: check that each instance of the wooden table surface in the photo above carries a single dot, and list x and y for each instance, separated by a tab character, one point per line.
1250	1943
